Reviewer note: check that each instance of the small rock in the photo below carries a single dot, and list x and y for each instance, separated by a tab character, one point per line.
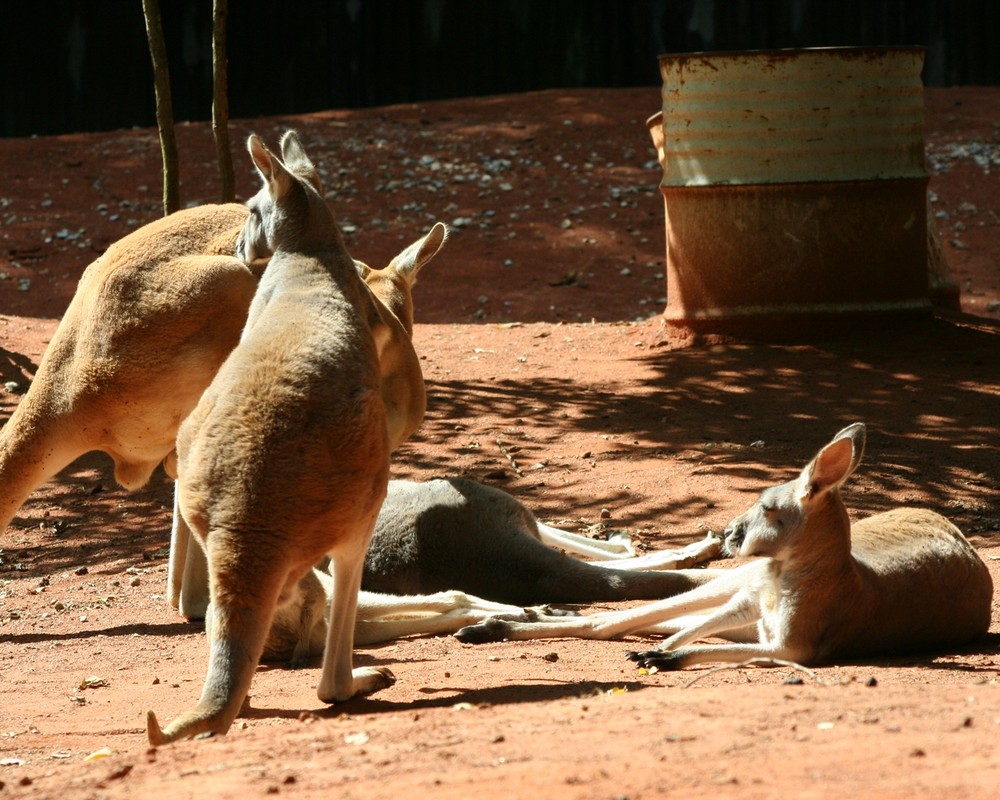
550	657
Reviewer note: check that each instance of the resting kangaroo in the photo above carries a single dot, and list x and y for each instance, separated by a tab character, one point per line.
451	552
906	581
285	459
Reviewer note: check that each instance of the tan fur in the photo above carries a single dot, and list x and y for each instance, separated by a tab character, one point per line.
285	459
906	581
150	323
140	340
402	389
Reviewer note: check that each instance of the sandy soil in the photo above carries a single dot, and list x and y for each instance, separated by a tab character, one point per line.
550	374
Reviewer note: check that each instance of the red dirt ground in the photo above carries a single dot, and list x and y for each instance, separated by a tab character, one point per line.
550	374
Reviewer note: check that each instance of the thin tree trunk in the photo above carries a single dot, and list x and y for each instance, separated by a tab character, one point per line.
220	100
164	105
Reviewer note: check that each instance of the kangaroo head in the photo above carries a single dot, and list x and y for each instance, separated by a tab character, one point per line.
781	513
393	285
289	207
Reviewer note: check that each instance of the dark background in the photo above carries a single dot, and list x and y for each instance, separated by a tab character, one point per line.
83	65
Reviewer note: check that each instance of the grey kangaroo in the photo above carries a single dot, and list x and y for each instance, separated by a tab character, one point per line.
450	552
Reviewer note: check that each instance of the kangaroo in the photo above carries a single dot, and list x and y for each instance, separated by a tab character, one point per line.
458	534
451	552
285	459
906	581
402	388
150	323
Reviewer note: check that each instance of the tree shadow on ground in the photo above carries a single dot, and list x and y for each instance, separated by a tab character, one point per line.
754	414
747	414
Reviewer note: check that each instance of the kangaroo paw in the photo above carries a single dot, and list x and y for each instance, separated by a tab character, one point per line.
655	659
624	540
550	611
372	679
490	630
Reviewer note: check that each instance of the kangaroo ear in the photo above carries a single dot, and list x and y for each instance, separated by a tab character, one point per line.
408	263
276	178
296	160
834	463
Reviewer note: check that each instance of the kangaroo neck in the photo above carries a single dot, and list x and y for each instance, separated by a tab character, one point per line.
824	545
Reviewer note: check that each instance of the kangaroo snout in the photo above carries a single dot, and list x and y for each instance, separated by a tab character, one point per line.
244	249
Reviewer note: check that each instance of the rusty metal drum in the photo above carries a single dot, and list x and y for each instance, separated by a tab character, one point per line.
795	188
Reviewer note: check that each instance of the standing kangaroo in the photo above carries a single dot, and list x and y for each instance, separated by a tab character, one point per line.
150	323
907	581
402	389
285	459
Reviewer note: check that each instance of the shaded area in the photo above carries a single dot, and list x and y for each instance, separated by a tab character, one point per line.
450	696
683	428
750	415
94	71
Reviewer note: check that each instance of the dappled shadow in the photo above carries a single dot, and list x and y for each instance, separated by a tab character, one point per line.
82	518
16	367
754	414
742	415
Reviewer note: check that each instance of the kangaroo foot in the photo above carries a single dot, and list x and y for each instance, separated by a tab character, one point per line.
655	659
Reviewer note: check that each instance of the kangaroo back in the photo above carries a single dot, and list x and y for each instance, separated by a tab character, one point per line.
140	340
934	591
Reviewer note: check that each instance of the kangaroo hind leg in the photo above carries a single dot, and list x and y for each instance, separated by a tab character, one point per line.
245	588
340	681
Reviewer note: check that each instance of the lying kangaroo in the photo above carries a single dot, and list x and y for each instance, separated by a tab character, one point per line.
285	459
906	581
450	552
